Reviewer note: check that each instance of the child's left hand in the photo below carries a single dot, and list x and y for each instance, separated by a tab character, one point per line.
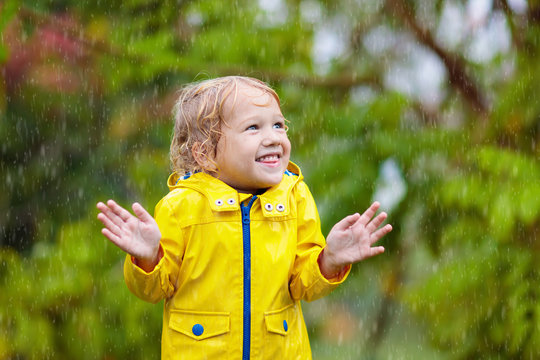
350	240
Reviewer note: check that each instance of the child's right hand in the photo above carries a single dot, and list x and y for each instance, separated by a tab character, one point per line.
138	236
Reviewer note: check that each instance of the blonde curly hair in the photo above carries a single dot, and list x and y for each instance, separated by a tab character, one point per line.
198	115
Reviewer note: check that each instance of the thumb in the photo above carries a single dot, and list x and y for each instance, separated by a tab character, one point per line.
347	222
141	213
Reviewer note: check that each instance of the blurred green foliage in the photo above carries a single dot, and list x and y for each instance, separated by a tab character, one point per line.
85	100
67	300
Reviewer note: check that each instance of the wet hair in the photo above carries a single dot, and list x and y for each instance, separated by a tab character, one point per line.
198	115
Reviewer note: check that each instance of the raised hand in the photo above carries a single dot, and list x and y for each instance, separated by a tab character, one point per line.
351	240
138	236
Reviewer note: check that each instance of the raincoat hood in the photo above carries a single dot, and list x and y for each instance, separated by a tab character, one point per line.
219	194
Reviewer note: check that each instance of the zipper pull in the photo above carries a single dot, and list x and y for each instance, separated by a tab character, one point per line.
245	214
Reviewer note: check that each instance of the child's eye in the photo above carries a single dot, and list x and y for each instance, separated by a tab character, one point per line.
252	127
279	125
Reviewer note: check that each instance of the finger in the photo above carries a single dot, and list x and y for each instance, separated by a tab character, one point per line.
118	210
368	214
110	214
376	222
111	226
141	213
347	222
375	251
377	235
109	235
118	241
101	206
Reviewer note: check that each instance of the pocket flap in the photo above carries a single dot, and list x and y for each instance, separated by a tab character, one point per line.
199	325
278	321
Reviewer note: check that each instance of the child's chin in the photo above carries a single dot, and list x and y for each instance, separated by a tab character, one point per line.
275	181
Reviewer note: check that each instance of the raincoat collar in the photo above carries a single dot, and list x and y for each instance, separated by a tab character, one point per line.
222	197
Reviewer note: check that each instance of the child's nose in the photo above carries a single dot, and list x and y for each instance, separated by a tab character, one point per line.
271	137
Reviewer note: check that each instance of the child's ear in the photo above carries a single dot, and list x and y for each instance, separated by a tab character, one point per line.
200	153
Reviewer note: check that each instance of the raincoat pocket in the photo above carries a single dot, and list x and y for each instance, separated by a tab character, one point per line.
284	335
279	321
200	325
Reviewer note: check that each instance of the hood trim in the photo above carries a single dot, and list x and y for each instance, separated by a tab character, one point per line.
222	197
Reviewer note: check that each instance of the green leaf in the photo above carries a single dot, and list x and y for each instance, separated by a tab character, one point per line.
9	9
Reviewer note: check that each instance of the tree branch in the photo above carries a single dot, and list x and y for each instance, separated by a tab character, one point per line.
515	34
455	65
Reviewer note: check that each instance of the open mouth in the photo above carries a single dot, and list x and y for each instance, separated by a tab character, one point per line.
269	159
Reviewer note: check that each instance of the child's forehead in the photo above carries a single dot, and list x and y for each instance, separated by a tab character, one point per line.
246	94
251	91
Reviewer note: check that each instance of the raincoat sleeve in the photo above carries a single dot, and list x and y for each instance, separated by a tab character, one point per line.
307	281
161	282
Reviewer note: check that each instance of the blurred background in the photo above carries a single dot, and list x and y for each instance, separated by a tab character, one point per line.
429	106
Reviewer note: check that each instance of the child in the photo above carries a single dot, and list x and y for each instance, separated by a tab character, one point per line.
236	244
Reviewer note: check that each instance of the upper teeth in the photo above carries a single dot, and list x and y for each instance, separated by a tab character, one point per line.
268	157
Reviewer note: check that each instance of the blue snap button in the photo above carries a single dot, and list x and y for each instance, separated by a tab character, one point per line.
285	326
197	329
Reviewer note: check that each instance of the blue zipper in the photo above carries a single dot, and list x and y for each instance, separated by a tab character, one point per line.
246	233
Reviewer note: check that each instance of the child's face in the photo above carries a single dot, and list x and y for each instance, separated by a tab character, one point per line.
253	150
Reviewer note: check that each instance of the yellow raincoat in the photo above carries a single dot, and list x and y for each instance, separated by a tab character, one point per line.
234	270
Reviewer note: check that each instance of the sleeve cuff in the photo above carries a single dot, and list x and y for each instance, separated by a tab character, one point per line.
138	269
338	278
